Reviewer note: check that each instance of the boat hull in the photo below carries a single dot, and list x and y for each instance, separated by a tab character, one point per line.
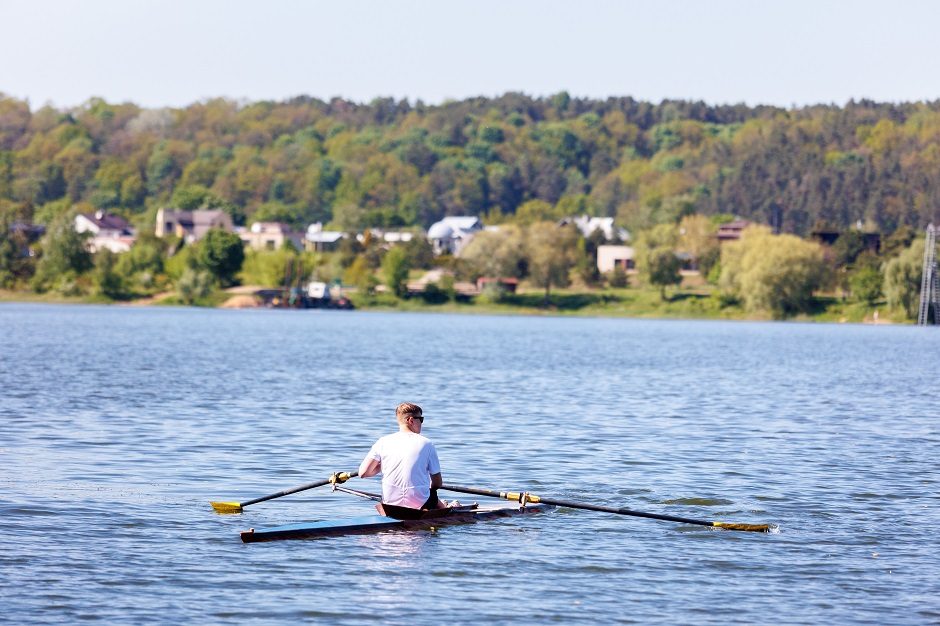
380	523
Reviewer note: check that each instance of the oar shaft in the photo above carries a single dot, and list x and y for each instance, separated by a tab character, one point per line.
623	511
287	492
516	496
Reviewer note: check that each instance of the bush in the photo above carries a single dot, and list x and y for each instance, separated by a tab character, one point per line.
492	293
395	270
433	294
866	285
108	281
194	285
64	258
618	278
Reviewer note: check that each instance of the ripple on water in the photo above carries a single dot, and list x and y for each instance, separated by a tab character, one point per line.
105	487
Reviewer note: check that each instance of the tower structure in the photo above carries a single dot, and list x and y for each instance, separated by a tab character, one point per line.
929	281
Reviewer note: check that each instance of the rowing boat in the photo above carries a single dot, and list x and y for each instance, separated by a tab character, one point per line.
390	518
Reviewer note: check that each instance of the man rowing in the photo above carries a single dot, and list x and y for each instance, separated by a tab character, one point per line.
411	471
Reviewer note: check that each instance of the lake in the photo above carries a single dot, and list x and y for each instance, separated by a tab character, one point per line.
119	424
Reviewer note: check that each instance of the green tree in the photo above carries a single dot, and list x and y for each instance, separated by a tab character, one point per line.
267	268
774	273
847	247
11	246
64	257
661	267
534	211
107	280
395	271
193	197
496	254
184	258
143	265
896	242
697	239
419	251
656	257
618	278
551	253
359	274
194	285
902	279
865	283
222	254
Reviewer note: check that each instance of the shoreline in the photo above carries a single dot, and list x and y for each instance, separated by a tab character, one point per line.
605	304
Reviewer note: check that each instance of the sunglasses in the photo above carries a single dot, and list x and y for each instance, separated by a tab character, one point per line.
420	418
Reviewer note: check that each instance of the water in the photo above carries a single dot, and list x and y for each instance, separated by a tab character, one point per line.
118	425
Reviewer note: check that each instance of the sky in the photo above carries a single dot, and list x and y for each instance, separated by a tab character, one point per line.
173	53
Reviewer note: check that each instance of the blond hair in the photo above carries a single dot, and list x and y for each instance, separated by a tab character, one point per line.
406	410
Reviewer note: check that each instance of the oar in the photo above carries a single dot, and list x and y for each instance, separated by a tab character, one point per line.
523	498
236	507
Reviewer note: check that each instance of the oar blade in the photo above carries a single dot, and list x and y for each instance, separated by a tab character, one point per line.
226	507
754	528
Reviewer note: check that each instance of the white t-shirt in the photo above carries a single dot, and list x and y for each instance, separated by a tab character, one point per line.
408	460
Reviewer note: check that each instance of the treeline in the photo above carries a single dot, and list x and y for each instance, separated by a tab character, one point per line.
395	163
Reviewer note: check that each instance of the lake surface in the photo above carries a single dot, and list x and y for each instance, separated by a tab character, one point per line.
119	424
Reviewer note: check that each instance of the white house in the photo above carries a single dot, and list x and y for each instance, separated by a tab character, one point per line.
191	225
451	234
588	225
319	240
388	236
609	257
109	232
271	236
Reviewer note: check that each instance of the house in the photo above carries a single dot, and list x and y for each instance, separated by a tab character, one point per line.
609	257
191	226
731	231
387	236
828	236
319	240
452	233
271	236
110	232
507	285
587	225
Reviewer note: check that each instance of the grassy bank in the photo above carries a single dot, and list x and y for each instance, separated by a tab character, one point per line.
634	302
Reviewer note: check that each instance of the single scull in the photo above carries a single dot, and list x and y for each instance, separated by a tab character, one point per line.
390	519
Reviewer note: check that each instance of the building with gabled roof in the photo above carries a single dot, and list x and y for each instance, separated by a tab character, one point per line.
191	226
452	233
271	236
108	232
731	231
588	224
319	240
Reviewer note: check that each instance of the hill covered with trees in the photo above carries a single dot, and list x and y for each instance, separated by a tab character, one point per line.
396	163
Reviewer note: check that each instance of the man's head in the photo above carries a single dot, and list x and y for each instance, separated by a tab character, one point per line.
408	413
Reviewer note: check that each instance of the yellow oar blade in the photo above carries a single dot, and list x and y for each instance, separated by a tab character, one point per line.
226	507
754	528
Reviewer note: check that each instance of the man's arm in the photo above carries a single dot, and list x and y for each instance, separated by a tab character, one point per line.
436	480
371	467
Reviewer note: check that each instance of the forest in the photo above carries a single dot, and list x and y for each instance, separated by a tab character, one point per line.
394	163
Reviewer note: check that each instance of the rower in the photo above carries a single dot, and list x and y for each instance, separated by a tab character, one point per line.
411	471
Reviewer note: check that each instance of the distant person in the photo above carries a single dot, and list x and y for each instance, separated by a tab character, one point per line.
411	472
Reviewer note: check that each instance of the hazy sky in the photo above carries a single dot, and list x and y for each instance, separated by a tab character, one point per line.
175	52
